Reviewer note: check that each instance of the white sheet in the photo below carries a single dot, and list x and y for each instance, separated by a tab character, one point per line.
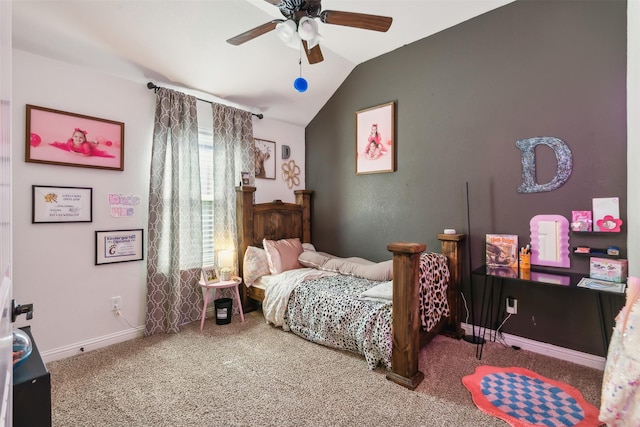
278	288
382	292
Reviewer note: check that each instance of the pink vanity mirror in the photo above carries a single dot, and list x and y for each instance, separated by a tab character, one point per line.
550	241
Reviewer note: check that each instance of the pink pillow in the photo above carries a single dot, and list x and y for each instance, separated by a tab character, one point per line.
282	255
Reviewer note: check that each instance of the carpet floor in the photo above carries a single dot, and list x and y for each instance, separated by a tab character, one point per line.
251	373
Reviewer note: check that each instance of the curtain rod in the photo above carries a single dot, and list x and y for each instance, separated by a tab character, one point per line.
153	87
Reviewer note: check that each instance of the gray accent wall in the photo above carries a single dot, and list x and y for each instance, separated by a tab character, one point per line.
463	98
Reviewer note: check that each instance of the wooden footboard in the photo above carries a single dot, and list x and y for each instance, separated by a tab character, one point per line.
406	314
407	334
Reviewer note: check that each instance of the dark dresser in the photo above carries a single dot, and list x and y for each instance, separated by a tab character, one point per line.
31	390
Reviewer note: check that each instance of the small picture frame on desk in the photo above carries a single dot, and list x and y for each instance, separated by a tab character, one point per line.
210	275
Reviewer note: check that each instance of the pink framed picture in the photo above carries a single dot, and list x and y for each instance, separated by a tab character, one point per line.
68	139
375	139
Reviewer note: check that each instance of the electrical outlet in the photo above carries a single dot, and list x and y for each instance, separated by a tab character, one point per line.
115	303
512	306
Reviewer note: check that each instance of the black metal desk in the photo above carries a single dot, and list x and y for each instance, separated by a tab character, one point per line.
493	281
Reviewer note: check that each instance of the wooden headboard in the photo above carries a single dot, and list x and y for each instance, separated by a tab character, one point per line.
274	221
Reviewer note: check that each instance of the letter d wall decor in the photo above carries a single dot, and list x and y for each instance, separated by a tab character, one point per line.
563	156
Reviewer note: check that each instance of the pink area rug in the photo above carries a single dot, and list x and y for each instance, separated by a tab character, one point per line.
524	399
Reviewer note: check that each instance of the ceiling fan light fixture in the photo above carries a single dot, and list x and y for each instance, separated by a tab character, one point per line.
294	43
314	41
300	28
307	28
286	30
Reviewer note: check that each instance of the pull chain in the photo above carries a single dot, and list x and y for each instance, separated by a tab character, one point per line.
300	84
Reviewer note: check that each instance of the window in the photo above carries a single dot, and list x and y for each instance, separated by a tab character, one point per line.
205	140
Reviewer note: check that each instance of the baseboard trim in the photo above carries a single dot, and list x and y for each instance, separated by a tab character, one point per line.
92	344
580	358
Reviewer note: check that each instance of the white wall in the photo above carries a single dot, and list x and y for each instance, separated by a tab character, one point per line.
633	135
54	263
281	133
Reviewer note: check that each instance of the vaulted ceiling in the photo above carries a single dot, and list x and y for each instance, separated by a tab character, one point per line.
182	44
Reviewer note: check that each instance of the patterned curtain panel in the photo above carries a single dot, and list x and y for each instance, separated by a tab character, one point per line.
175	216
233	153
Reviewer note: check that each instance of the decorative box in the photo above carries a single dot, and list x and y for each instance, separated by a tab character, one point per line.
613	270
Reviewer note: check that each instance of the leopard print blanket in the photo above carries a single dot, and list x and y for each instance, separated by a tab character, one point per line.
328	311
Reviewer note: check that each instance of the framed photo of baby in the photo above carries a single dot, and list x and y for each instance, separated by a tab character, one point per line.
68	139
375	139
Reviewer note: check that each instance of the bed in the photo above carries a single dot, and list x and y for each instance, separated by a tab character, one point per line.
278	220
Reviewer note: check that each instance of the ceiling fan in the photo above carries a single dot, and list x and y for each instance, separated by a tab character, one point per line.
300	25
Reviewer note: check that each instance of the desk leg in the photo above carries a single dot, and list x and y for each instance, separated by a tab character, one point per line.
500	306
487	318
603	326
483	317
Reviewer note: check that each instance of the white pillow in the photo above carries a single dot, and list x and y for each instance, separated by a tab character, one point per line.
282	255
308	247
358	267
381	292
255	265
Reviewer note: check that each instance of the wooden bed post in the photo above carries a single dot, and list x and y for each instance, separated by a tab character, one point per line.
303	198
452	249
406	314
244	224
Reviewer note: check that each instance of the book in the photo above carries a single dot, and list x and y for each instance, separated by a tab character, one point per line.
602	285
502	250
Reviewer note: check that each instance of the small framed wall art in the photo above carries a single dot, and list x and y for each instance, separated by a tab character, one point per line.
119	246
246	178
68	139
375	139
265	158
61	204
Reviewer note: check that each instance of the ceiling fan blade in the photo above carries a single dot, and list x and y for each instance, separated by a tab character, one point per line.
254	32
314	55
356	20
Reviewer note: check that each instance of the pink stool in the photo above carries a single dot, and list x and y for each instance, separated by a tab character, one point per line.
206	287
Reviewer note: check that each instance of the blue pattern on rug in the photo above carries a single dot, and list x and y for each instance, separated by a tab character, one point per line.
524	398
531	400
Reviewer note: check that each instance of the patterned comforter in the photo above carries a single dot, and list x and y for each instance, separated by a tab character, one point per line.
329	311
